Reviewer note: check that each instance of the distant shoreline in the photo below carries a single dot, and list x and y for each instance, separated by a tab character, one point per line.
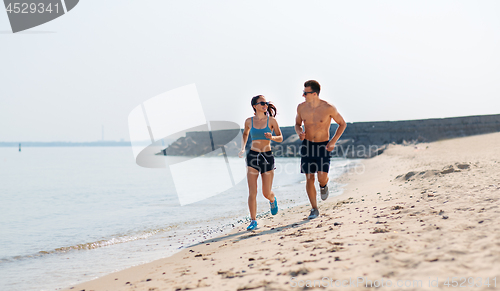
67	144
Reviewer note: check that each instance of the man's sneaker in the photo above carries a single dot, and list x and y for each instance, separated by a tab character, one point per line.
314	214
324	192
274	206
253	225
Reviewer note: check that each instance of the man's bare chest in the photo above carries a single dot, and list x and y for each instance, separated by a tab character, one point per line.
315	117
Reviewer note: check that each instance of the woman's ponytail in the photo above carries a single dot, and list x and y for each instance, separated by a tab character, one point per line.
271	110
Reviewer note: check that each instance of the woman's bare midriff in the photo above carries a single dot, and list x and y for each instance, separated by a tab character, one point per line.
261	145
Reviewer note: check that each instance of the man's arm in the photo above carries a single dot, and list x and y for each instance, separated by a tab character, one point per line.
298	126
342	126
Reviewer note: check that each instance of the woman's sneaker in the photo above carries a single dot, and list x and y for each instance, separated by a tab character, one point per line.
274	206
253	225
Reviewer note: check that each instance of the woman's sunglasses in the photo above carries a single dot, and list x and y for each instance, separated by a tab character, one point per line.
262	103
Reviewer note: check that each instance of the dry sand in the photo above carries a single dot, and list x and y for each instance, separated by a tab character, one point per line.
416	215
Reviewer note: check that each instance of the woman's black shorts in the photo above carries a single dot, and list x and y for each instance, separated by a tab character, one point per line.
261	161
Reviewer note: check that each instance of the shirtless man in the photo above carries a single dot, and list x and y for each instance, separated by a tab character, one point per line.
316	114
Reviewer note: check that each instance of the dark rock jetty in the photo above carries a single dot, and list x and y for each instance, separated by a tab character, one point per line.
360	139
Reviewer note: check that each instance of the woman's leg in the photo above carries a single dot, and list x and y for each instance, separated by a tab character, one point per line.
267	185
252	175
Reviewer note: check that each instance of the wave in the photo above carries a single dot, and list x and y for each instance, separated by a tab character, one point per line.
129	237
114	240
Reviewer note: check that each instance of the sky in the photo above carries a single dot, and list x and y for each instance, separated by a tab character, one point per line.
375	60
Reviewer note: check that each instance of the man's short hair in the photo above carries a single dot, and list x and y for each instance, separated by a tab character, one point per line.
314	85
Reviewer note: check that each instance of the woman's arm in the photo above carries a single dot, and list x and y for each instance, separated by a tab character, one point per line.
244	137
274	126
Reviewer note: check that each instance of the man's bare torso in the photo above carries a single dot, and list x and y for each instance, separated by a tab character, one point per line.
316	120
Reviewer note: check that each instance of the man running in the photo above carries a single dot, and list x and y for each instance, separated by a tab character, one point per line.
316	114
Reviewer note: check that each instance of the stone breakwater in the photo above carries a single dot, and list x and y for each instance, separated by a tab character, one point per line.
360	139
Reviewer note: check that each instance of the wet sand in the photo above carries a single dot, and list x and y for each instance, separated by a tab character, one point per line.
410	219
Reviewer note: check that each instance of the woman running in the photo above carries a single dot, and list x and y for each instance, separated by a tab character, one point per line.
259	158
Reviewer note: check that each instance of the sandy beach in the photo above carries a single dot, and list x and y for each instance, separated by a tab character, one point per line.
417	217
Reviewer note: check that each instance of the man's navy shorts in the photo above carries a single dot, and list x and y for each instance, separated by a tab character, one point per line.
314	157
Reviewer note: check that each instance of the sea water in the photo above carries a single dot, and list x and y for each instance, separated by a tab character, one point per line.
72	214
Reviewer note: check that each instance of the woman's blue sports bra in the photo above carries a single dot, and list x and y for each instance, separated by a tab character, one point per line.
258	133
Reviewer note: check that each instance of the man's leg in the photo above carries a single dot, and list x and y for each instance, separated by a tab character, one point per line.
323	175
323	178
311	190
